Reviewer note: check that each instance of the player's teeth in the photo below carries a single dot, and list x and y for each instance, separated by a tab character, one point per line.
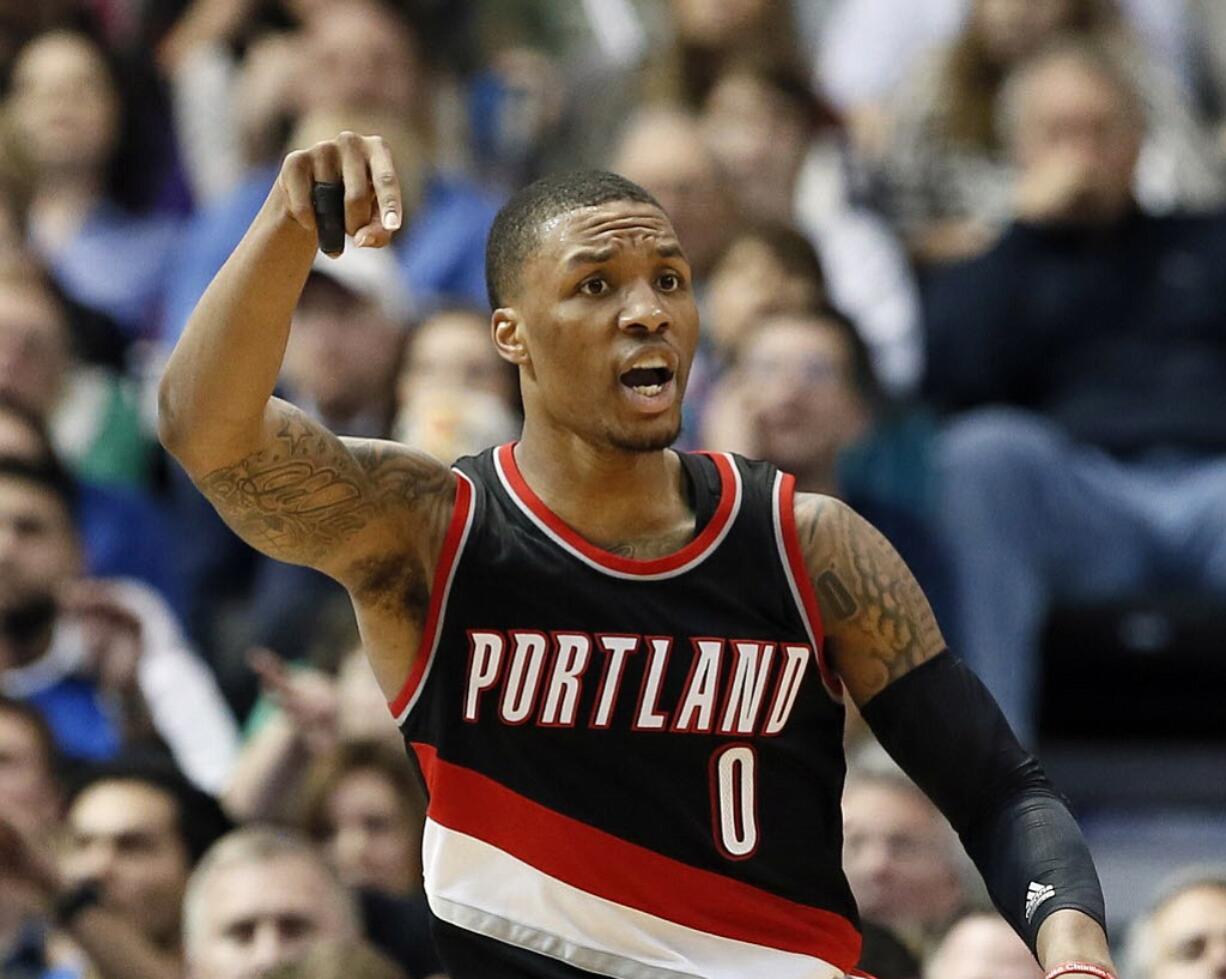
648	390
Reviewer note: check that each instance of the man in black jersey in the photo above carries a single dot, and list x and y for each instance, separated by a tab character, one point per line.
621	669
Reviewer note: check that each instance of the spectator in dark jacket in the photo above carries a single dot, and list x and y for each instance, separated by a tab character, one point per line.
1087	352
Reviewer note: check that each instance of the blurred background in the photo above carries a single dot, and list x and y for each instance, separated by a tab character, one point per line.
961	263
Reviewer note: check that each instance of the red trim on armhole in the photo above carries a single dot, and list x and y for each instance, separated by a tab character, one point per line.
438	591
800	574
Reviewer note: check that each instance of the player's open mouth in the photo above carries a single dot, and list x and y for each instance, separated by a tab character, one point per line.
647	381
649	384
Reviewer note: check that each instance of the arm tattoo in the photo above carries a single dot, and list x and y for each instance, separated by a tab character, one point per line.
306	493
878	622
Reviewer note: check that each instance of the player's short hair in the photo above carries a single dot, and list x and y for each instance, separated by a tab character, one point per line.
517	227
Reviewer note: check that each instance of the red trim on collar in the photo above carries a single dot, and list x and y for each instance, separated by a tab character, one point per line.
693	551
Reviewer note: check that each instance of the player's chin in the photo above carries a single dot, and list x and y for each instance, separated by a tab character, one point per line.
647	434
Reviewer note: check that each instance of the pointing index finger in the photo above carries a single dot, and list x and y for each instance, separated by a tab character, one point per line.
386	183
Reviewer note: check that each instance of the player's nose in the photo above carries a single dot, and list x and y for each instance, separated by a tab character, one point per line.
643	311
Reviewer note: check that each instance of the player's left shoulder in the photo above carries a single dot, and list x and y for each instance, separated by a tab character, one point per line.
878	624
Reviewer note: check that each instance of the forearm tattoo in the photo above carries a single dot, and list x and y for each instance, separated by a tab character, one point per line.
879	625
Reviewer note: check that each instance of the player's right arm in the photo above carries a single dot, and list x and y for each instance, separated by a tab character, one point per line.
369	514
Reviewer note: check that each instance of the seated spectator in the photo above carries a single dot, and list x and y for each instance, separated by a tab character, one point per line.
1182	935
29	787
981	945
327	727
787	164
456	396
761	123
124	534
767	268
802	394
1088	343
901	858
711	35
90	411
259	899
30	802
364	805
84	216
945	176
339	960
663	151
133	830
345	348
440	249
103	660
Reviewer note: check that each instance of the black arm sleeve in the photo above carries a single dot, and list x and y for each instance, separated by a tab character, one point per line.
942	726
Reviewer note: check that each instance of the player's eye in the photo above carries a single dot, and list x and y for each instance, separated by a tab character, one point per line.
669	282
595	286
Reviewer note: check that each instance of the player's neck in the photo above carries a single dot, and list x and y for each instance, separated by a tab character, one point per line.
606	494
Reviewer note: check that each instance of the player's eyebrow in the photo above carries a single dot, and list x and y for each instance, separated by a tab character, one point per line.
595	256
589	256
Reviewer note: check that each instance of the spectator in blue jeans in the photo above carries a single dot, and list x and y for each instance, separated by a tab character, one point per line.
1084	357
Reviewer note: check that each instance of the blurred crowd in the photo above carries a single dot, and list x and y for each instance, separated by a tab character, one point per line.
961	263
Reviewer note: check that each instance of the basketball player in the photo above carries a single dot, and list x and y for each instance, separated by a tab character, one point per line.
620	668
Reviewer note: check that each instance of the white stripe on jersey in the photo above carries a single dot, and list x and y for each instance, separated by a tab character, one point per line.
484	889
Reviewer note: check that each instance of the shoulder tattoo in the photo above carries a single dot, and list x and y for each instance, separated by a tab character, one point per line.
879	625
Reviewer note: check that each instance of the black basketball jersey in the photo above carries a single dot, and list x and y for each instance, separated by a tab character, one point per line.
634	766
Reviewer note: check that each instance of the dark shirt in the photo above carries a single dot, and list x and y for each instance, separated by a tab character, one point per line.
1118	334
400	928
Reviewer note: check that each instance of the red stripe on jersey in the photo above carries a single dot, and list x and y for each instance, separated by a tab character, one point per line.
599	863
438	591
708	536
800	574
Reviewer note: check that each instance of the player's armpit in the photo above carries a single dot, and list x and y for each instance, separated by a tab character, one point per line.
878	624
338	505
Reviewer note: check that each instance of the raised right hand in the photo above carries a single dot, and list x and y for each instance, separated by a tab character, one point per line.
373	204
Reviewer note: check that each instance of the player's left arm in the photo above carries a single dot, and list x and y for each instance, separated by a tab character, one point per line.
942	726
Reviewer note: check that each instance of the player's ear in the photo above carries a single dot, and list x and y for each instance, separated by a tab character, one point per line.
507	329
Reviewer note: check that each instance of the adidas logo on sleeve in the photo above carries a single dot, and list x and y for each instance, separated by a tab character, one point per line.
1036	894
